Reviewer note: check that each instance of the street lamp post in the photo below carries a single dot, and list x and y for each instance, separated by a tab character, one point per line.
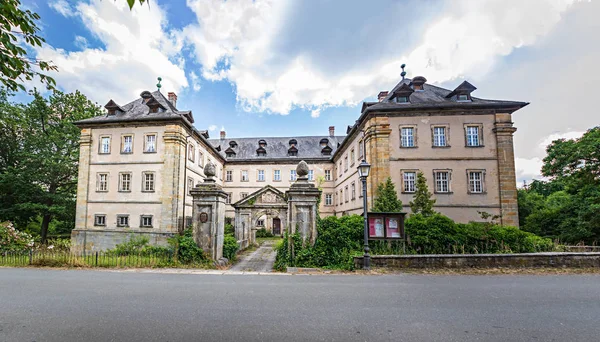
363	173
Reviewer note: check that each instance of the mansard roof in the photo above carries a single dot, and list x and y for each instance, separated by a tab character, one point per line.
276	148
139	110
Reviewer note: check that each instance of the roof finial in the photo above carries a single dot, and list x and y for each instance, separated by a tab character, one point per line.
158	84
403	73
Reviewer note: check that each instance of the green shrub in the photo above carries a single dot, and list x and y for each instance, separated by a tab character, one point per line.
229	228
185	248
263	233
12	240
230	247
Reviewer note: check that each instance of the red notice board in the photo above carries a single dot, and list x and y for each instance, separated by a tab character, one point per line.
386	226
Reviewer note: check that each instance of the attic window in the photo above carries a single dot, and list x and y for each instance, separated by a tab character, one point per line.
324	142
326	151
262	143
230	154
293	152
261	152
463	97
293	142
232	144
402	99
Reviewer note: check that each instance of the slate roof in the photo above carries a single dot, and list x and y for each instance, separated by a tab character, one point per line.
138	111
435	97
309	147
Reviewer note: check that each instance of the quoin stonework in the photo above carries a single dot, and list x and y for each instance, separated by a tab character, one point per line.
139	161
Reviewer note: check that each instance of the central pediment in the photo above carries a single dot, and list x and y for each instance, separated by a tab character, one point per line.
266	196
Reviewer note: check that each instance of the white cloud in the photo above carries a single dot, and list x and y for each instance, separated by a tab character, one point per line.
241	41
212	128
137	50
81	42
62	7
195	81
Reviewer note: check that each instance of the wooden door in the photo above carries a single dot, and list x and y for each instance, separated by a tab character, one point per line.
276	226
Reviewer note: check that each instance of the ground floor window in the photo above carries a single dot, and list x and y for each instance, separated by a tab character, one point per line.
100	220
146	221
122	220
260	223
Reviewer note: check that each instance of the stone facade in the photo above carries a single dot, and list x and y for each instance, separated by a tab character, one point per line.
462	144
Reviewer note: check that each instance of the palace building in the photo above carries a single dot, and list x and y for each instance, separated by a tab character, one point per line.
139	161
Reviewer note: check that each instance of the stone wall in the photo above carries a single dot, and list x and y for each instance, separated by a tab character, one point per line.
483	260
101	240
509	207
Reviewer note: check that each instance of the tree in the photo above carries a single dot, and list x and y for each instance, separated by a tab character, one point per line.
422	202
386	198
131	3
17	27
41	179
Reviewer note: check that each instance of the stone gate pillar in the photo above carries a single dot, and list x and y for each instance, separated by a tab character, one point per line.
208	214
302	206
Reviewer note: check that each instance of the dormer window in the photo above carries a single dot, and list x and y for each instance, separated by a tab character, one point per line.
261	152
326	151
462	93
293	151
402	99
462	97
230	154
232	144
262	143
324	142
293	142
112	108
402	94
418	82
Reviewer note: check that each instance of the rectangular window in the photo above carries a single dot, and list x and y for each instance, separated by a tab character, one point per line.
191	152
476	182
260	223
148	185
407	135
229	176
244	175
327	175
127	144
439	136
100	220
102	182
277	175
341	196
346	163
473	136
146	221
190	184
352	157
340	168
125	182
293	175
328	199
353	188
150	143
122	220
311	175
104	145
360	193
361	149
462	97
228	200
200	159
261	175
244	195
347	194
442	181
409	179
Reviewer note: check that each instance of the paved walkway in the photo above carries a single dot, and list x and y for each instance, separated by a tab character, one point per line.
261	260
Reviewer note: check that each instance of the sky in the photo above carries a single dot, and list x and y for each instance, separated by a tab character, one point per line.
291	68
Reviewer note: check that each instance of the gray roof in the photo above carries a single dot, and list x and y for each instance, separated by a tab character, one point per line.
435	97
138	111
309	148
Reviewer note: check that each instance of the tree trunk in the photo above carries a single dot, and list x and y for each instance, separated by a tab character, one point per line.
44	229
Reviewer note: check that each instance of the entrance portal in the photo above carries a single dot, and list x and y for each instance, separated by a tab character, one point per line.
276	226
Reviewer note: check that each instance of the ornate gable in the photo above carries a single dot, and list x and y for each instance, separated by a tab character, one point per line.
266	196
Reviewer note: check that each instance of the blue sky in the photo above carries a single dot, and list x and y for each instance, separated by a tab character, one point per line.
272	68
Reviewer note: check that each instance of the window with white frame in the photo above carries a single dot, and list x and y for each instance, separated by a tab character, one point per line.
346	194
122	220
200	159
102	182
99	220
293	175
353	189
245	176
125	182
148	182
340	168
261	175
476	182
243	195
346	163
361	149
407	136
352	157
409	178
311	175
260	223
191	152
473	138
327	175
150	143
328	199
341	196
127	142
105	145
146	221
190	184
277	175
439	136
228	199
229	176
442	181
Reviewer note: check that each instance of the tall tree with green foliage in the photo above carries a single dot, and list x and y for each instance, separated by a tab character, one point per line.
386	198
18	29
39	178
422	202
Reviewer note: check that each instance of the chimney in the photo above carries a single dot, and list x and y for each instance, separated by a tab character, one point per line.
223	135
172	98
382	95
331	131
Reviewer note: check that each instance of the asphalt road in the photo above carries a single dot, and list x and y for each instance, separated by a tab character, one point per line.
75	305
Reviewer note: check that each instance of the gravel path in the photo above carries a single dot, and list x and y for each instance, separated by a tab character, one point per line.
261	260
